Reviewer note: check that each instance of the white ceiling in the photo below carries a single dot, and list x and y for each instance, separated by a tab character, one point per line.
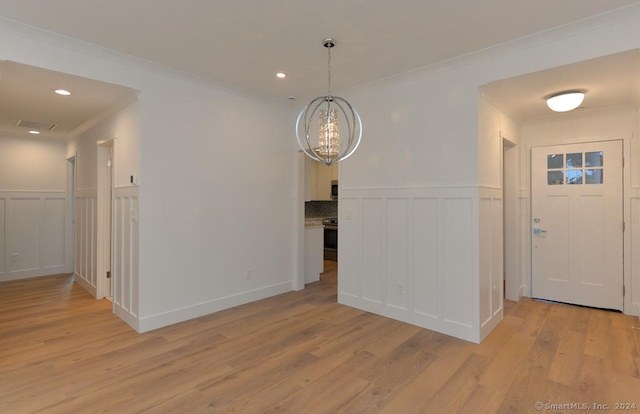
244	43
27	93
612	80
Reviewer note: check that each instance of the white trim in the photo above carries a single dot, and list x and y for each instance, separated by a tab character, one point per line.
125	254
511	275
129	318
104	211
299	184
69	228
86	285
30	273
160	320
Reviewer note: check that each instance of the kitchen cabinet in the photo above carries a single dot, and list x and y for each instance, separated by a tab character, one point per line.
318	177
313	250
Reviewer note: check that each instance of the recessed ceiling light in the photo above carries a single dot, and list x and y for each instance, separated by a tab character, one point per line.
34	132
62	92
565	101
281	75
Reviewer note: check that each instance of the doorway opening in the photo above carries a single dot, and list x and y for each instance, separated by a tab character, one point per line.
106	166
510	226
70	216
316	226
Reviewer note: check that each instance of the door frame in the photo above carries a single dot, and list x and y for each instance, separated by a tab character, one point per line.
511	227
299	185
626	214
70	215
104	214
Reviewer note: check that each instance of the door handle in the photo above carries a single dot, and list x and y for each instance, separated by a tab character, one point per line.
538	230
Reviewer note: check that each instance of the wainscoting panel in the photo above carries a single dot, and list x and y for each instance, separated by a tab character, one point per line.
32	229
458	261
634	228
414	254
485	261
372	244
24	233
427	258
53	226
524	207
125	254
491	259
497	262
86	223
349	243
397	258
3	236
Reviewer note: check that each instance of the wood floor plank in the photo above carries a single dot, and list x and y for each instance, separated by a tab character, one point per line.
568	359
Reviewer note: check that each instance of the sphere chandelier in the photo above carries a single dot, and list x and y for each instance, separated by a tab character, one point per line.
328	129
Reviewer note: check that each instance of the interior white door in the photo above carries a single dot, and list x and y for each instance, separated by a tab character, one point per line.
577	228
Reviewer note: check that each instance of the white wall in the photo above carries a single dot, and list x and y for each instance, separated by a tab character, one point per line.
216	202
29	164
620	123
216	173
32	207
422	139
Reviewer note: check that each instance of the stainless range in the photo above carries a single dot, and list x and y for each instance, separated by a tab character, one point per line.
330	239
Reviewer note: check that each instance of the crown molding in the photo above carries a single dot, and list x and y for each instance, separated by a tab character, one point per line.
551	35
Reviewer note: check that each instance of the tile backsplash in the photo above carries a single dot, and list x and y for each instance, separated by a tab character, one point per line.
321	209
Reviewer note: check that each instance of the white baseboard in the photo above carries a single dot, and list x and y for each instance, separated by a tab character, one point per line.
86	285
130	319
490	324
29	273
468	333
160	320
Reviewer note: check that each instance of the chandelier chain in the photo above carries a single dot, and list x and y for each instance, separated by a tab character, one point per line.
329	72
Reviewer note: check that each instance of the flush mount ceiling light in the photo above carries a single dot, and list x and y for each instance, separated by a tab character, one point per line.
63	92
317	129
281	75
565	101
34	132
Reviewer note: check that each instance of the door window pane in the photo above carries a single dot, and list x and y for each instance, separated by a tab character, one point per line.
593	159
595	176
555	161
554	177
574	176
574	160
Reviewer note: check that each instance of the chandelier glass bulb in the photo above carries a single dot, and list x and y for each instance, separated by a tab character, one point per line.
329	138
328	129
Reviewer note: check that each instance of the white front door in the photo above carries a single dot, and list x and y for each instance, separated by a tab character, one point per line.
577	223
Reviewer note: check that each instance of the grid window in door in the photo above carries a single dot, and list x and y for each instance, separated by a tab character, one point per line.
576	168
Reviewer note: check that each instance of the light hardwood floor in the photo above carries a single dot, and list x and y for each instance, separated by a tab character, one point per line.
61	351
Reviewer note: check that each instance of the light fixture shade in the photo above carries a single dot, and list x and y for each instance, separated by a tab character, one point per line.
565	101
328	129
